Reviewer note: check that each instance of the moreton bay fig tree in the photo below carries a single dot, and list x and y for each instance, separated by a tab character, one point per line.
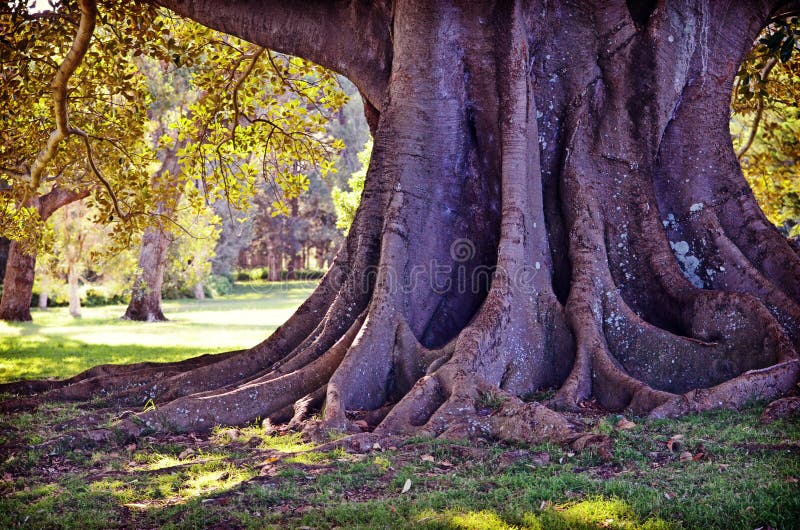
552	202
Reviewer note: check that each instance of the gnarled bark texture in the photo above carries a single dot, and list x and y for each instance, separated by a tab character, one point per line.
553	201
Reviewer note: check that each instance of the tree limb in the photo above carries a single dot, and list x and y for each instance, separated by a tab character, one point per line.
71	61
58	197
352	38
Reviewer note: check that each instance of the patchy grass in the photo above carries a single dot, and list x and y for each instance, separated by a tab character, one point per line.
57	345
739	474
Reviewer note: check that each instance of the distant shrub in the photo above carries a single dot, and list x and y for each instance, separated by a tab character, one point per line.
217	285
99	297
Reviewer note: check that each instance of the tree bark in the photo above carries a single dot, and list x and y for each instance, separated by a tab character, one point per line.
15	304
145	304
73	276
274	265
537	214
4	244
43	299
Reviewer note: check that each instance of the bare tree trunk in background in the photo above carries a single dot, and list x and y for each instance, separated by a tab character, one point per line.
199	292
145	304
274	265
15	304
73	277
43	298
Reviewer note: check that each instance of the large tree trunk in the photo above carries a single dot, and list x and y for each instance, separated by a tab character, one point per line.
15	304
145	304
553	201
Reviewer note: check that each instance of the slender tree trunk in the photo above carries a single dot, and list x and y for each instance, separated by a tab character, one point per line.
43	299
199	291
74	290
274	265
15	304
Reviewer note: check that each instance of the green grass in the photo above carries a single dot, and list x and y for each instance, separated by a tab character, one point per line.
57	345
746	474
746	478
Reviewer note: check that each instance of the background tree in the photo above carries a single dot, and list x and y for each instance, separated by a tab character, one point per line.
766	123
51	156
244	112
346	201
629	263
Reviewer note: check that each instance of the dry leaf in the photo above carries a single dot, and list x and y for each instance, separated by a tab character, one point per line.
625	424
426	458
361	424
406	486
673	444
686	456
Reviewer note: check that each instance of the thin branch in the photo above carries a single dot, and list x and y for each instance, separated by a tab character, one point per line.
235	94
759	111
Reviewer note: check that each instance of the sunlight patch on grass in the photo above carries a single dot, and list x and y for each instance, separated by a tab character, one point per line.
483	520
217	481
57	345
286	443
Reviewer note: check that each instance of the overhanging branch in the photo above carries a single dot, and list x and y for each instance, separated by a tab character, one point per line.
352	38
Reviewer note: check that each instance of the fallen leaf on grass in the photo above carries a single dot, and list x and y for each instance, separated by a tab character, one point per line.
686	456
427	458
673	444
406	486
625	424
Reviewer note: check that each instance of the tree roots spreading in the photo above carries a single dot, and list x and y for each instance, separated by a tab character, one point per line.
597	239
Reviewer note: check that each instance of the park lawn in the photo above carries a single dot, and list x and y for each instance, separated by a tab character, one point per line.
741	474
57	345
